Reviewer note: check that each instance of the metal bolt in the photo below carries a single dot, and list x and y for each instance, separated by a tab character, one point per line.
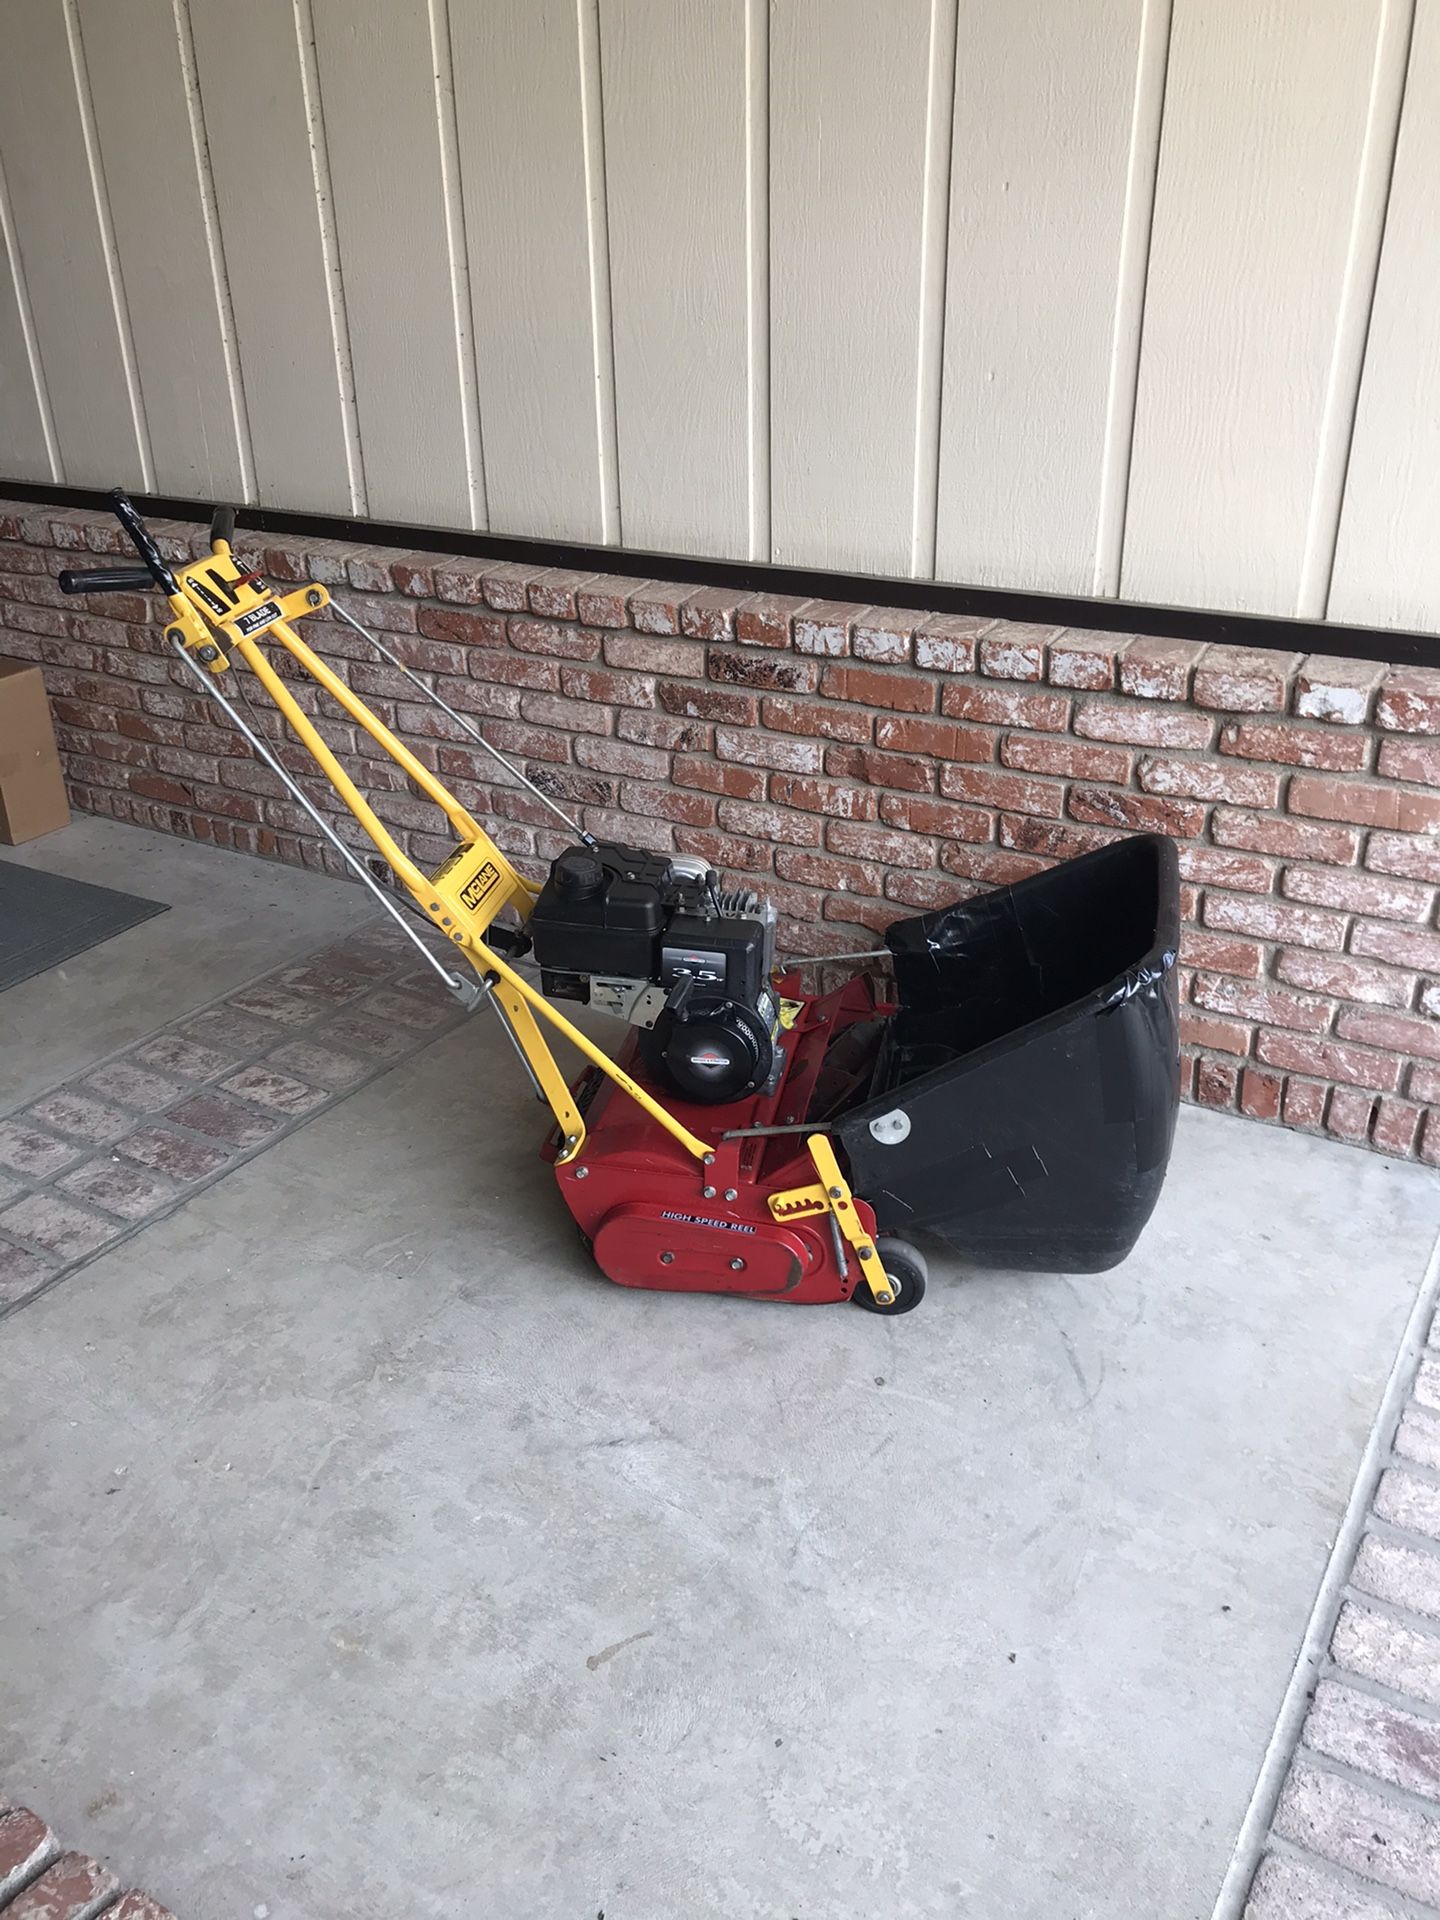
866	1253
709	1160
835	1193
732	1193
666	1258
582	1173
707	1193
737	1266
312	598
207	654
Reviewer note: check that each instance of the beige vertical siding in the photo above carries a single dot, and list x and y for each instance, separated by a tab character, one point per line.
1122	297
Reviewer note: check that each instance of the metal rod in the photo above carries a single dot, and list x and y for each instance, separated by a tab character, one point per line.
815	959
761	1133
460	721
464	990
514	1039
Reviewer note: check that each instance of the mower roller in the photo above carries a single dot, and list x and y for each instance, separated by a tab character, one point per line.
1014	1093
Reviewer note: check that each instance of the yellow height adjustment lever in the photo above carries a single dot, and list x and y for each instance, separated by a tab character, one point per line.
832	1195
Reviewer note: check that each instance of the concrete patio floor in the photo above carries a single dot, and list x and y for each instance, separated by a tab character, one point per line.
362	1551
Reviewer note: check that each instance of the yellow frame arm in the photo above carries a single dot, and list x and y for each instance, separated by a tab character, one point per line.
218	613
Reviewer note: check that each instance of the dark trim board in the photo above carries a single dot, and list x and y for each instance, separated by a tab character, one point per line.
1045	609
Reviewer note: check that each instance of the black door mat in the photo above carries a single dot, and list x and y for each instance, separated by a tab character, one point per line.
45	919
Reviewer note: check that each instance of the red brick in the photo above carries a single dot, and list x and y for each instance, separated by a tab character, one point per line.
1329	1060
895	770
1243	958
463	628
1351	1114
655	607
224	1120
554	637
1304	1104
1397	1127
32	1151
1345	979
1416	857
1071	759
939	817
708	703
825	627
1206	780
1015	652
948	643
862	841
1272	1006
1353	892
1141	726
1005	706
764	619
986	787
872	687
1291	839
1216	1083
73	1887
1260	1093
607	688
1430	1140
623	757
884	634
1323	747
1402	946
990	865
1417	760
659	730
1425	1084
940	739
1022	834
138	1906
645	653
822	870
1220	1036
1409	701
928	892
1153	669
813	717
1245	679
568	716
1086	660
1337	690
740	783
776	674
1397	1033
663	803
1217	867
709	613
553	592
26	1843
840	800
1366	802
761	750
770	823
1149	813
640	830
605	601
1269	920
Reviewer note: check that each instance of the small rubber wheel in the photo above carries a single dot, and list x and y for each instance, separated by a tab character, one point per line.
906	1271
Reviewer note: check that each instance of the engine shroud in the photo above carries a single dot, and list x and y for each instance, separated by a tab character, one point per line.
629	918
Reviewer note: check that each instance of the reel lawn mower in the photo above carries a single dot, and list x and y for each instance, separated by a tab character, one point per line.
1016	1097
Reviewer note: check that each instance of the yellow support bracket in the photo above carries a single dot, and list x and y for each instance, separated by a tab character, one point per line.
832	1195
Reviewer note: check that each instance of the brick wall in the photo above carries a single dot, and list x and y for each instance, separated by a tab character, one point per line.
857	764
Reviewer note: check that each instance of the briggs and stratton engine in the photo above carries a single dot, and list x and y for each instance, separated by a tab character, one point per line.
653	938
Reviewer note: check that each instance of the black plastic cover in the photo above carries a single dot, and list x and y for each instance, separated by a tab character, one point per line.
1035	1055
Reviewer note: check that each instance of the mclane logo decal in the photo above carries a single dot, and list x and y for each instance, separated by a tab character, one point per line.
479	886
700	1220
258	618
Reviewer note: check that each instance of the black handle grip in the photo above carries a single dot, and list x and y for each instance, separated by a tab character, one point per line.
144	545
106	580
222	525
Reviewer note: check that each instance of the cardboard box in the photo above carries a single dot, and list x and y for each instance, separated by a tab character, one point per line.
32	788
